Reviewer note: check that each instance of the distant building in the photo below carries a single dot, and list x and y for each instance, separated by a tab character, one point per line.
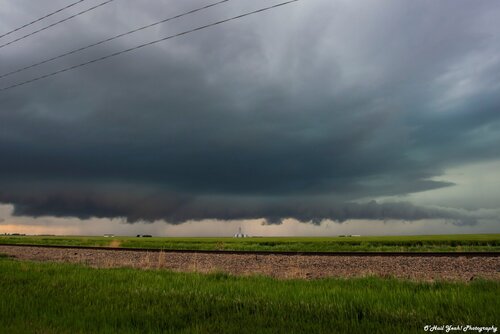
240	234
109	235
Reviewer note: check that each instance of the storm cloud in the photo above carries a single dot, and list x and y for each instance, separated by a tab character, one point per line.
312	111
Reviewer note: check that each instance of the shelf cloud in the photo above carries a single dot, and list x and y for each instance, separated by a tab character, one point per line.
316	116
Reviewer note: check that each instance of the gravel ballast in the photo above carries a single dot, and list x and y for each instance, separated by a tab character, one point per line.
428	268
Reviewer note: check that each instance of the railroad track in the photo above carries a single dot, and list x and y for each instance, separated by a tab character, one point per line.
289	253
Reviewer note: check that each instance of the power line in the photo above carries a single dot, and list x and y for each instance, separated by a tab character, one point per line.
56	23
112	38
147	44
41	18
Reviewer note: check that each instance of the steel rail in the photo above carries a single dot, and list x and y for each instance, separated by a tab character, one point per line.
286	253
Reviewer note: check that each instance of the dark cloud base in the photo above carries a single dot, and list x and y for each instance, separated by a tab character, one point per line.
174	208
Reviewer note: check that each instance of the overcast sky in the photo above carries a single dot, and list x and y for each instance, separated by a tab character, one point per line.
304	120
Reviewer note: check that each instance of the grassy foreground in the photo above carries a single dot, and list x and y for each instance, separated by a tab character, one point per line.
64	298
436	243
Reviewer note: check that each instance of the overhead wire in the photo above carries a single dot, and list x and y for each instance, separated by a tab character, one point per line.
41	18
112	38
147	44
56	23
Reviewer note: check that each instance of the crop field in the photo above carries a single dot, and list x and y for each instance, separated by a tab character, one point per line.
431	243
68	298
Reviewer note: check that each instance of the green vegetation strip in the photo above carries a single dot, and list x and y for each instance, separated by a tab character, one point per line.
436	243
64	298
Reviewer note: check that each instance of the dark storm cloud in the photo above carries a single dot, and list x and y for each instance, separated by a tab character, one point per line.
261	118
142	205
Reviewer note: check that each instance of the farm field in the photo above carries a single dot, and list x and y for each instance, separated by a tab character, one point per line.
68	298
430	243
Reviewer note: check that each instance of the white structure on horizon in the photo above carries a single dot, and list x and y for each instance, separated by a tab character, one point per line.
240	234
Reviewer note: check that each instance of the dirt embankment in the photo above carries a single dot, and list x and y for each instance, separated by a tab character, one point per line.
279	266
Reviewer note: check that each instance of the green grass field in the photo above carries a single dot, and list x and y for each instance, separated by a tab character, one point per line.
437	243
65	298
